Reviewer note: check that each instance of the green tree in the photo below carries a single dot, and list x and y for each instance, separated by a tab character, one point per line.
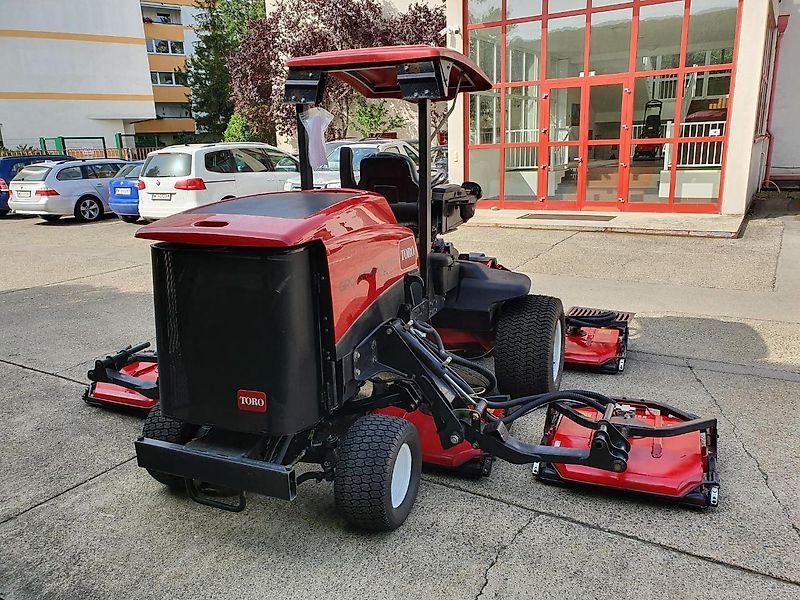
375	118
221	26
239	130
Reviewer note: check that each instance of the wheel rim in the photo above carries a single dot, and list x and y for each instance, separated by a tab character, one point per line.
557	344
89	210
401	475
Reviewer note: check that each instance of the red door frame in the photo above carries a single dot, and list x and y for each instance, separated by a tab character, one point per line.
586	83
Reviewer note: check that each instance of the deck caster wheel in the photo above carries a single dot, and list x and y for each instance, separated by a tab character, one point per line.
377	473
529	353
166	429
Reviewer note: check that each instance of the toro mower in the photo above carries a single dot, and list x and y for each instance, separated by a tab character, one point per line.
331	327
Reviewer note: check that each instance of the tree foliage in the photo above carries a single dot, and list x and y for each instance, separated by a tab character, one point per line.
374	118
221	27
239	130
302	27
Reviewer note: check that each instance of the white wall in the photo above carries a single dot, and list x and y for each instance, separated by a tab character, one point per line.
785	121
111	78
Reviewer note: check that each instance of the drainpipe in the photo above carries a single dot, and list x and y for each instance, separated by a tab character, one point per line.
783	23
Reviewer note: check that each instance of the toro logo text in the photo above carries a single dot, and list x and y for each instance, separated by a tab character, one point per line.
251	400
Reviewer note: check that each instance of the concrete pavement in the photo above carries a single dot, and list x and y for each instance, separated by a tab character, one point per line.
717	333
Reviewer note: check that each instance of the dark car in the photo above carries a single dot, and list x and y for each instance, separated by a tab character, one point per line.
11	165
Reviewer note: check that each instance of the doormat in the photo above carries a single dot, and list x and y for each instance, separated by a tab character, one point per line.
570	217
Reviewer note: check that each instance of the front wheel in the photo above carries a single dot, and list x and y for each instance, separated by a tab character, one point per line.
377	472
529	353
88	209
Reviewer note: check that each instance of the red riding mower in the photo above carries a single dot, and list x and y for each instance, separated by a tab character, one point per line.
329	327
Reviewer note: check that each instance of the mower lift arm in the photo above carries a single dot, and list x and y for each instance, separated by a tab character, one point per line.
394	350
107	370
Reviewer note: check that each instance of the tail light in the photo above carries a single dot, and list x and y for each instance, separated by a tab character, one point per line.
3	185
194	185
46	192
140	184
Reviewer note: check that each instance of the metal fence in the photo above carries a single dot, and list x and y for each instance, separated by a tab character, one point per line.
85	153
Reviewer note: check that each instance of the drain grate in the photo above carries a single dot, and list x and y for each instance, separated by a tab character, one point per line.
570	217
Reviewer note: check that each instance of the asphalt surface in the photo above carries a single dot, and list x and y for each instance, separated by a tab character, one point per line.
717	332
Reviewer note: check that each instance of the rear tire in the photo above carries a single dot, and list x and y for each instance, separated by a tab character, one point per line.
377	473
50	218
128	218
88	209
529	353
159	427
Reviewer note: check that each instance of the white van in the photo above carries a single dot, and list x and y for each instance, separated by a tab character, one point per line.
178	178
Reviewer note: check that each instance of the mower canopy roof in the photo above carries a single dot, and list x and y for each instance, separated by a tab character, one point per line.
373	72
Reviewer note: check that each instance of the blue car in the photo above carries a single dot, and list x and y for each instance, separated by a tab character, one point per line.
10	166
123	196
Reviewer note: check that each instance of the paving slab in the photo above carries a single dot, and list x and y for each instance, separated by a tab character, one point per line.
125	536
559	559
52	440
59	326
749	529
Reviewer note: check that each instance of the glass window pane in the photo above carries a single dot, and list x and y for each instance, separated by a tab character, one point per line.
516	9
705	104
649	177
660	32
605	112
565	41
522	114
654	103
484	168
162	46
522	174
153	77
596	3
484	49
167	79
602	174
524	48
698	172
712	27
565	114
562	173
484	11
484	118
610	43
176	47
559	6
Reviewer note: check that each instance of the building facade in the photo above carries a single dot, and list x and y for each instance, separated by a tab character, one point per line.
93	69
616	105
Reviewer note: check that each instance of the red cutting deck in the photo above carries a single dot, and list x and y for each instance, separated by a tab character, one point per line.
110	394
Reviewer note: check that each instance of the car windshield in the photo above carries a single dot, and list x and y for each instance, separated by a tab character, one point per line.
129	172
167	164
33	173
359	154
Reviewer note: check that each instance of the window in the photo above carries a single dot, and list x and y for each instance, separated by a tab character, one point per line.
283	162
70	174
167	164
164	17
251	160
167	78
712	31
102	171
221	161
412	154
392	150
484	11
32	173
16	168
164	46
766	84
565	46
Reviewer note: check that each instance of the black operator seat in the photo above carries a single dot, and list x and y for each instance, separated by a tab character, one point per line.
394	177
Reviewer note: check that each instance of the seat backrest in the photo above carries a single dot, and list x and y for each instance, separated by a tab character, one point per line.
392	175
346	176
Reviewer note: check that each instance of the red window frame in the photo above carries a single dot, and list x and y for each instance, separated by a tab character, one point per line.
585	83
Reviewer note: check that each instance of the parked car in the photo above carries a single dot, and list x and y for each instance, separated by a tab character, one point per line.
178	178
10	166
328	176
53	189
123	192
439	162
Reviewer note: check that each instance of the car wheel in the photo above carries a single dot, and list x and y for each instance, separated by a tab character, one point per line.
88	209
51	218
128	218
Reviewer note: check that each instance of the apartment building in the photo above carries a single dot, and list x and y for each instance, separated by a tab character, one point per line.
94	69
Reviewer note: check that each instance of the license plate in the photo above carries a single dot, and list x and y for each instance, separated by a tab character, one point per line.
23	193
123	191
160	196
